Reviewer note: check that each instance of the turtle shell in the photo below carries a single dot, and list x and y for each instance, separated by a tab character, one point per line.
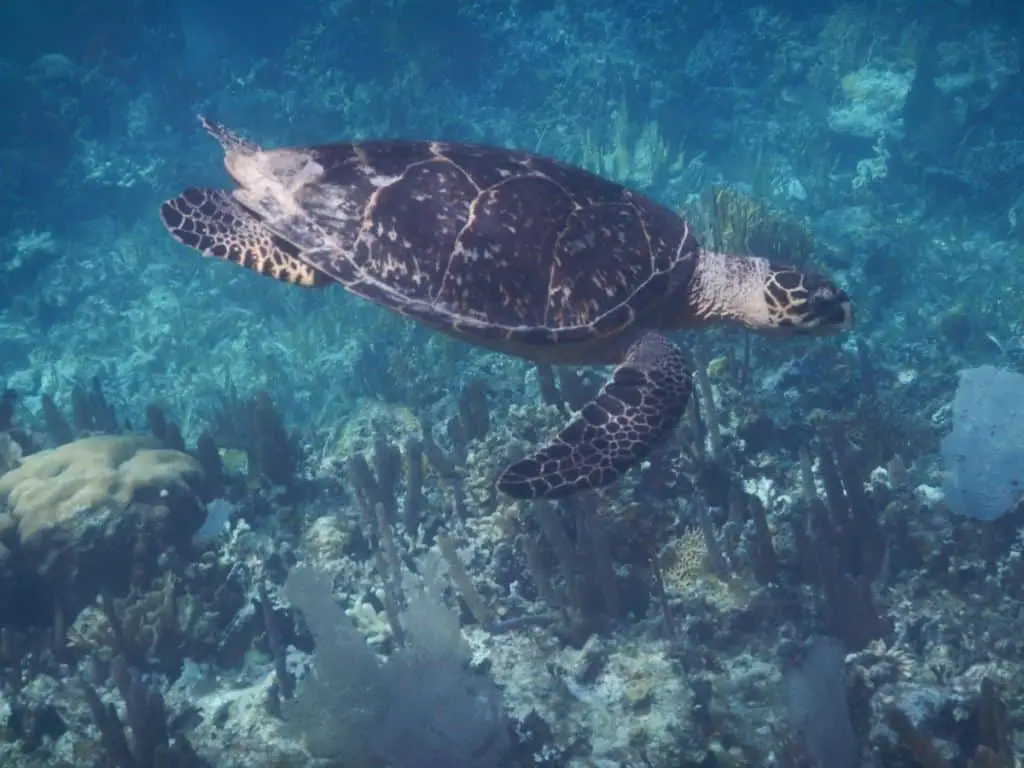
486	242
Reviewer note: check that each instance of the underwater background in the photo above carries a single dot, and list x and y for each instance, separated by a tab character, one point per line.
243	524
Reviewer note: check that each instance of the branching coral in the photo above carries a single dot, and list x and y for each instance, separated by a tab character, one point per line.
255	425
149	739
731	221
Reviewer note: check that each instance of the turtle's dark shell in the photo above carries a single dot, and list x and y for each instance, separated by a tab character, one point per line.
487	242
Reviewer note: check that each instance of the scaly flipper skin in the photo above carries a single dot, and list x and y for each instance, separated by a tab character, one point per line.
636	409
215	224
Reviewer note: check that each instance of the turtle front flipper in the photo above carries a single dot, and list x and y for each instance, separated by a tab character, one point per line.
212	222
636	409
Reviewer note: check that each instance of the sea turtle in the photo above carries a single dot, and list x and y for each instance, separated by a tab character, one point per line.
513	252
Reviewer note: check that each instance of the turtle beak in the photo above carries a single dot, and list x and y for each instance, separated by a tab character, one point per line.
841	317
831	310
847	316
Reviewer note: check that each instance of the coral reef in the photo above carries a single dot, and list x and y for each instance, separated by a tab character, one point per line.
783	584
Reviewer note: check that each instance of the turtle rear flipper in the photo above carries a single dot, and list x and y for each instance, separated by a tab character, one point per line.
636	409
212	222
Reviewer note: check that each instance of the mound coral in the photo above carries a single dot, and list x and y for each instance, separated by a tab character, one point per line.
78	512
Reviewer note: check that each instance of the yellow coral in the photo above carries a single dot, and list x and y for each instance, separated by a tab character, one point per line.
718	368
235	461
685	560
854	85
51	487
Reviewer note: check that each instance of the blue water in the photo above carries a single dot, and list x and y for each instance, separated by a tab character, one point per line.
881	145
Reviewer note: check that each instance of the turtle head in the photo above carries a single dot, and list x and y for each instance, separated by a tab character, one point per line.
765	297
805	303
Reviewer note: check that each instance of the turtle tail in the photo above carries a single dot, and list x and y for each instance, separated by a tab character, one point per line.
212	222
635	410
229	140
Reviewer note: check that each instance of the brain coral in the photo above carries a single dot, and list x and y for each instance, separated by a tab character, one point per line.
61	486
76	512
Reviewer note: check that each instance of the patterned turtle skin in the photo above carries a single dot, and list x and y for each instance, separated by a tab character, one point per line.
516	253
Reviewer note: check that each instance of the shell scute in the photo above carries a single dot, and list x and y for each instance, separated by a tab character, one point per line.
501	260
487	166
370	160
600	259
409	229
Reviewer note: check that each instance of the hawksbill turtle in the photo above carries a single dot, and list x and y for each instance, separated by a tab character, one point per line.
516	253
